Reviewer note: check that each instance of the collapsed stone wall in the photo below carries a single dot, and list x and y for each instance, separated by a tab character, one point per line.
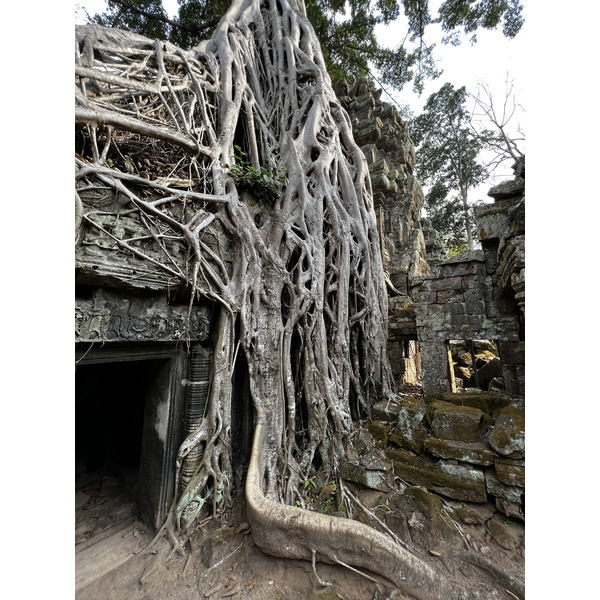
466	447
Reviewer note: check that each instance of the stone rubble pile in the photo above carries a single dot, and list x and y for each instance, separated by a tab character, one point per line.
466	447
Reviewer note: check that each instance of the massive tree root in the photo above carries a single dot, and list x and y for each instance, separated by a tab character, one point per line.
304	297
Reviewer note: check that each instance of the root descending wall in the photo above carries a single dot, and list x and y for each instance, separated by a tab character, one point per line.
383	137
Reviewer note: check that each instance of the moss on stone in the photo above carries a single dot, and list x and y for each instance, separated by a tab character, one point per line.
380	431
488	402
453	480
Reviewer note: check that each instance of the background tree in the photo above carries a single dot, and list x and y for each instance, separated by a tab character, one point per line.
345	29
492	121
448	162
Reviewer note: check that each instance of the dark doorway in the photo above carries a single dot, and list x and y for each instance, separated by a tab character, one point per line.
109	416
242	421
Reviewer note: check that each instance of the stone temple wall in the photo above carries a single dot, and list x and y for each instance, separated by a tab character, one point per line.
480	294
398	199
468	447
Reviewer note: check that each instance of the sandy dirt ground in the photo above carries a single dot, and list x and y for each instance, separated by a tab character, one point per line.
225	563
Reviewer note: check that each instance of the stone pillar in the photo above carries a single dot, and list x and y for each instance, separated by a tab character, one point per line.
435	367
512	355
163	424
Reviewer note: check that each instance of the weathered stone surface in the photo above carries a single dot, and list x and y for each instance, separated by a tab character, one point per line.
386	411
376	480
510	472
508	189
375	461
434	365
512	493
81	499
380	430
488	402
482	357
491	369
475	453
115	316
457	423
433	404
409	430
510	509
508	436
465	359
463	372
466	256
473	514
456	481
425	525
363	441
492	219
506	533
512	353
368	497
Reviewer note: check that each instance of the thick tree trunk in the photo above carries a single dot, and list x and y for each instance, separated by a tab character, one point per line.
466	210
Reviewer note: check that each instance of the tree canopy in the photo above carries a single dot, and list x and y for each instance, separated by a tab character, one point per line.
448	162
345	29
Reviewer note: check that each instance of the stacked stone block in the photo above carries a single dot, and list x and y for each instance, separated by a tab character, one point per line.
468	447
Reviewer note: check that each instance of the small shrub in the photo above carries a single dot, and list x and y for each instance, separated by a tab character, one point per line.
264	183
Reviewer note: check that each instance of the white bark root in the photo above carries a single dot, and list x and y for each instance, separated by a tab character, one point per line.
290	532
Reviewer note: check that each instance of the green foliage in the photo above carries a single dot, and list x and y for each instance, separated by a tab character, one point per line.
195	20
146	17
324	503
264	184
345	28
456	248
486	14
310	483
448	162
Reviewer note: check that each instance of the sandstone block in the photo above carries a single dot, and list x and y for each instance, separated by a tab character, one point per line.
463	372
465	359
386	411
462	423
375	461
508	436
510	509
456	481
490	403
409	430
376	480
510	472
380	430
475	453
447	283
496	488
363	442
491	369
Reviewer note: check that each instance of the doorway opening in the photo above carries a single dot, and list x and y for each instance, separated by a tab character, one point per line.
110	407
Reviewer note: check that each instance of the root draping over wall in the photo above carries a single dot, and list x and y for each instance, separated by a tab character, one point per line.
303	292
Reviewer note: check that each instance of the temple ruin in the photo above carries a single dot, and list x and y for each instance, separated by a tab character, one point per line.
144	342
